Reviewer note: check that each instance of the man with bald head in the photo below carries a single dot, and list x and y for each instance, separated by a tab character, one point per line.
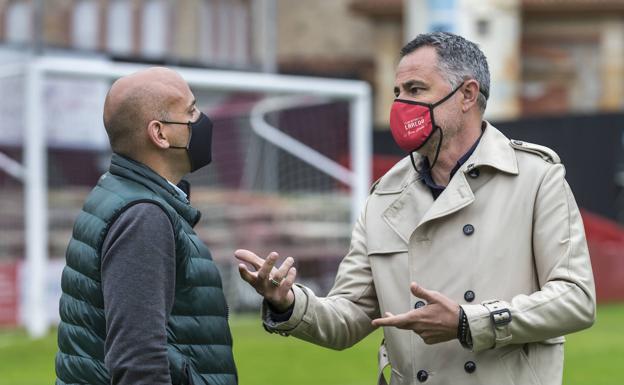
142	299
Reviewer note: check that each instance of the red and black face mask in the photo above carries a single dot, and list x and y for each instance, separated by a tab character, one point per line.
413	123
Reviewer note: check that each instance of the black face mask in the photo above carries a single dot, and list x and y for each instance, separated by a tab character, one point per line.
199	146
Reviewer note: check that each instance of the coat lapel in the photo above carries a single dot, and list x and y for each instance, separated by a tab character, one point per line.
415	205
456	196
493	151
403	214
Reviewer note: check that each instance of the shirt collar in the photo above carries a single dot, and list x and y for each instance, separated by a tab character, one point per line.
179	191
428	179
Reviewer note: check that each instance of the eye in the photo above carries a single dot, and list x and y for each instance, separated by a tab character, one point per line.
415	90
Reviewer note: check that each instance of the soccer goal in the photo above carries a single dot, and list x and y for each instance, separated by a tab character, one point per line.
291	164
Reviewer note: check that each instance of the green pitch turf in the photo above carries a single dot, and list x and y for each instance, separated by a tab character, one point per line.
594	356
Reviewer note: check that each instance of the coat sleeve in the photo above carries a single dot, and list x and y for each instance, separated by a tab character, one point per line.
344	317
566	301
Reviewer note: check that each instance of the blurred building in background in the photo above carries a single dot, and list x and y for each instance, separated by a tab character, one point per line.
572	56
546	56
557	71
258	193
216	33
549	60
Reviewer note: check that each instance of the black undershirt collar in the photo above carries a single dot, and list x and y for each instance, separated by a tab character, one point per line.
427	178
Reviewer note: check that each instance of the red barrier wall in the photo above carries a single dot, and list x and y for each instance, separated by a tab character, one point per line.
605	239
8	294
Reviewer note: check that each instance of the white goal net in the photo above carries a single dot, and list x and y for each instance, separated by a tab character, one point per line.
291	169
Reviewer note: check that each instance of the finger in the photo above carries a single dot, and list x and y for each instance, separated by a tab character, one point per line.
421	292
387	321
249	257
288	281
396	320
267	266
281	273
246	274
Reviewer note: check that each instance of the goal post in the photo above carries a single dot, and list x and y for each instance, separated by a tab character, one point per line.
357	176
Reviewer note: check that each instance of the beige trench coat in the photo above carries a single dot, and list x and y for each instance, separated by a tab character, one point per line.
506	228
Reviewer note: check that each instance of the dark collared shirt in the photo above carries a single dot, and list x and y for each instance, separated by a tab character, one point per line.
427	178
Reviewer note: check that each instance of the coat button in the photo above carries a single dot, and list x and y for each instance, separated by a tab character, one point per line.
469	229
470	367
474	173
469	295
422	375
419	304
517	142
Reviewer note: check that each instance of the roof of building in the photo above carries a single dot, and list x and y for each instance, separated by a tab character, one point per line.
573	5
393	9
384	9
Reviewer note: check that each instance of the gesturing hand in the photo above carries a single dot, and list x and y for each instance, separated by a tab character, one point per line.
271	283
437	322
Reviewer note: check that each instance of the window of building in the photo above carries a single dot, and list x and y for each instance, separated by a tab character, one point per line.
85	25
154	28
207	31
224	24
241	36
225	32
119	27
19	23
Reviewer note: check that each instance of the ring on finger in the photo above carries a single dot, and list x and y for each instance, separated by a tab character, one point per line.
275	282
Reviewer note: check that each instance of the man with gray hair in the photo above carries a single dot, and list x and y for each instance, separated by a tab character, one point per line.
470	252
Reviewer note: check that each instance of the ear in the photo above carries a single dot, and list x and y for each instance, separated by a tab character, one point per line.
470	91
157	135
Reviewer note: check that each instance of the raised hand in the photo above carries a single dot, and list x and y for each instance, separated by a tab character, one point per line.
437	322
272	283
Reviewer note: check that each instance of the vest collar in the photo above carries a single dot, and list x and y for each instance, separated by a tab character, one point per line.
140	173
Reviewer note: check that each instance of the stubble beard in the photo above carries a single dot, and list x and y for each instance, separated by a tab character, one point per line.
449	132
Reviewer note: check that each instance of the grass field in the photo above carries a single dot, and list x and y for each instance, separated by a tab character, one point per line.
593	357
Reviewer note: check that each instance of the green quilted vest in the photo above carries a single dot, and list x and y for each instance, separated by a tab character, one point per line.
198	336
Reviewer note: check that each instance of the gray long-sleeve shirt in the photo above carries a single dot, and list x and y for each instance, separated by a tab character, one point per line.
138	283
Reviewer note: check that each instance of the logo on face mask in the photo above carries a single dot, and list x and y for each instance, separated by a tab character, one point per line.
414	125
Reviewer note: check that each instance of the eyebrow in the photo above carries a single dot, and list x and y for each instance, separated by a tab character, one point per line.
411	83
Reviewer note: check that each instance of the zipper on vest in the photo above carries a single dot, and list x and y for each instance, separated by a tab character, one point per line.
187	372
